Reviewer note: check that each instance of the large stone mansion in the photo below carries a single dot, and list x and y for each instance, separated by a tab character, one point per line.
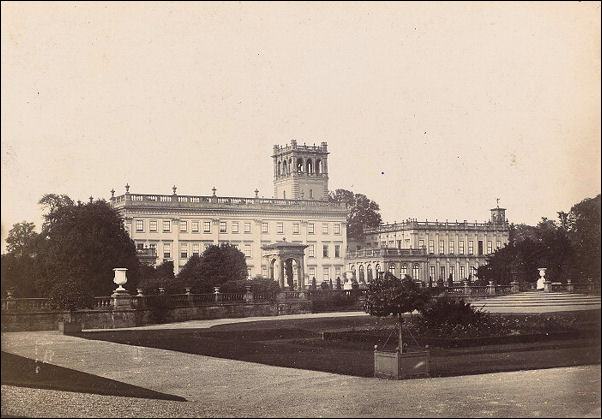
175	227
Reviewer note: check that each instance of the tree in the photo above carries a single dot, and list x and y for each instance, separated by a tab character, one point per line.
584	234
391	296
217	265
363	212
79	247
21	238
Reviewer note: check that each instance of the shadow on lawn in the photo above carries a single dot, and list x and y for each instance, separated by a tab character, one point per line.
25	372
298	344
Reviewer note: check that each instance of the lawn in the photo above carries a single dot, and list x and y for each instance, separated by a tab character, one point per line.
299	344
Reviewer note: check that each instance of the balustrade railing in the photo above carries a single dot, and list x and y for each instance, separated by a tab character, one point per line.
103	303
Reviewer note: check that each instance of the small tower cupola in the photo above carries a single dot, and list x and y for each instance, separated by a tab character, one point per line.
498	215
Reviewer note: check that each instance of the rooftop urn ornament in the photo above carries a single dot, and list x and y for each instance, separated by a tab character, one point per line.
120	279
127	188
256	193
112	193
173	188
213	189
90	198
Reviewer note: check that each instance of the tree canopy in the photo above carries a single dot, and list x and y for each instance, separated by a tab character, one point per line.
21	238
568	247
217	265
74	256
363	212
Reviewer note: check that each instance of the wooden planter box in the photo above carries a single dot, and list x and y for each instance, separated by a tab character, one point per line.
396	366
69	327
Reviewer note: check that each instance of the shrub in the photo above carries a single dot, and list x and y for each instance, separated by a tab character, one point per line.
332	302
444	310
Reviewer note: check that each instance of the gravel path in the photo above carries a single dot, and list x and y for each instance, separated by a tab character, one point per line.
221	387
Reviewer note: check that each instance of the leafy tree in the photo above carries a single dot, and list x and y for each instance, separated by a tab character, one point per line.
583	223
391	296
363	212
21	238
217	265
79	247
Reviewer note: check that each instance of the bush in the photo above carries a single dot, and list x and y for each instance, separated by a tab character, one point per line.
258	286
447	311
332	302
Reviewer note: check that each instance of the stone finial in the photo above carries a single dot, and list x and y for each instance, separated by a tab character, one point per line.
112	192
174	188
90	198
127	188
213	189
256	193
284	239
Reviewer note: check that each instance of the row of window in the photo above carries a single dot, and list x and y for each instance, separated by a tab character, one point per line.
246	249
235	227
451	247
415	271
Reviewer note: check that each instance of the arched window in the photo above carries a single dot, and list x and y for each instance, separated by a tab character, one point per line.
361	273
309	166
416	272
377	270
299	165
318	166
392	268
284	168
290	165
404	270
369	273
279	169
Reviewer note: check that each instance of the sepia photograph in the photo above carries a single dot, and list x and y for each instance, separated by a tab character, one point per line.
300	209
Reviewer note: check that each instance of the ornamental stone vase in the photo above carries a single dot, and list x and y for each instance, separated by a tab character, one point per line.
542	278
120	278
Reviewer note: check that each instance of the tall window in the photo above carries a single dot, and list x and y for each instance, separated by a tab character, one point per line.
184	250
462	272
324	228
461	247
392	268
264	227
452	272
153	247
420	244
139	225
431	246
312	273
325	250
337	228
498	245
295	228
195	249
310	228
206	226
247	227
489	248
442	272
470	248
183	226
166	250
337	250
326	276
247	250
234	226
194	226
166	226
441	247
280	227
404	270
311	251
415	272
451	247
152	225
432	272
222	227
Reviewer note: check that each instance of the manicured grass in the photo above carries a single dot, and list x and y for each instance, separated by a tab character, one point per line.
298	344
25	372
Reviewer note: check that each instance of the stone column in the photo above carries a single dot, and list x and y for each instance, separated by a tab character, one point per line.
466	287
248	297
569	286
218	296
491	288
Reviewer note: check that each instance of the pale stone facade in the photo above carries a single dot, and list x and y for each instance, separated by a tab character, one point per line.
174	227
428	250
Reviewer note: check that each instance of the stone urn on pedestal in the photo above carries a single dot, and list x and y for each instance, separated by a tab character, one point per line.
541	282
120	297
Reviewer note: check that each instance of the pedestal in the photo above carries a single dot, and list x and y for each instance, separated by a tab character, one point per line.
121	299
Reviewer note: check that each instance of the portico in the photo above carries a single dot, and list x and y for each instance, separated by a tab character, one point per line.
285	261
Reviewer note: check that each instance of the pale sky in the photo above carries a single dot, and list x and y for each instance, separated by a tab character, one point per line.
433	110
